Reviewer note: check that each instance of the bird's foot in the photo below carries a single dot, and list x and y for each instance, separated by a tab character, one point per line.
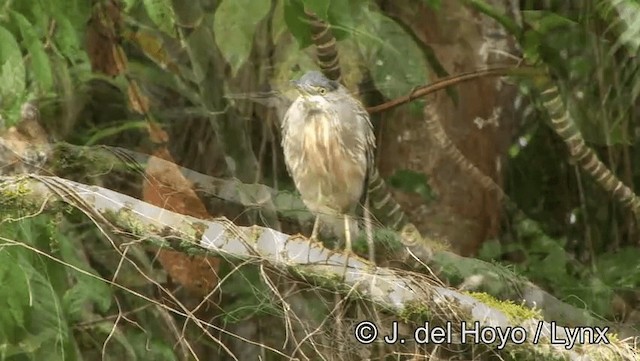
348	253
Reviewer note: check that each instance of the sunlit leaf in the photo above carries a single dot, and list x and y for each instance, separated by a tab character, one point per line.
396	62
161	13
12	72
629	16
234	26
67	39
39	60
278	25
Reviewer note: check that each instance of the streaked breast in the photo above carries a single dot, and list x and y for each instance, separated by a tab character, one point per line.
329	175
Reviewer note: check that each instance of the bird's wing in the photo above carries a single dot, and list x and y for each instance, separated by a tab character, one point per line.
284	133
290	145
369	141
367	144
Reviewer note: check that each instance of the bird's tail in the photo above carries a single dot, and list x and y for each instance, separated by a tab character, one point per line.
383	206
389	212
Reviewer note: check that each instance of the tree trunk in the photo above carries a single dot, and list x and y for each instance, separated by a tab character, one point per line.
479	122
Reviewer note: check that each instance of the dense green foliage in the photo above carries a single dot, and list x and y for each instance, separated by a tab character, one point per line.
584	246
57	300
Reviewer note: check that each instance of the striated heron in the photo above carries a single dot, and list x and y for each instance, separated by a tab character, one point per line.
328	144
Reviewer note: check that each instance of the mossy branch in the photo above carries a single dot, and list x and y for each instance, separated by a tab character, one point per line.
406	295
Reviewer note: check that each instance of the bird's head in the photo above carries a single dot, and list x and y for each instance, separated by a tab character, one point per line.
315	88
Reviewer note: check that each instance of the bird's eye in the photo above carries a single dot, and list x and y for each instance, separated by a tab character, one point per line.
322	91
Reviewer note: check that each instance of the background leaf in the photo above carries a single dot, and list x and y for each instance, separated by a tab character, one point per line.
161	13
67	39
12	72
234	28
39	59
295	18
319	7
394	59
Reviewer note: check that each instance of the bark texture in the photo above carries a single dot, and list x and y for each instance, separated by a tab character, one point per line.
479	122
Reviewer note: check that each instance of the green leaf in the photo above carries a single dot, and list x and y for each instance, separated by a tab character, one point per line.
120	339
199	43
36	324
150	347
121	126
67	40
410	181
319	7
13	296
531	42
249	294
545	21
396	62
77	297
161	13
295	19
37	13
86	289
491	249
278	24
342	15
234	26
129	4
40	64
77	11
434	4
12	73
621	268
629	12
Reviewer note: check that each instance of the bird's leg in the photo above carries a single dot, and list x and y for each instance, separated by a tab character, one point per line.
347	234
368	227
347	244
316	225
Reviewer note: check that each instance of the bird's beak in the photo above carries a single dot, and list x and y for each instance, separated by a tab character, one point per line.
296	84
299	87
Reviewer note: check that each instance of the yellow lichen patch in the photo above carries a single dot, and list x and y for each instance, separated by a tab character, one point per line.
515	312
14	192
